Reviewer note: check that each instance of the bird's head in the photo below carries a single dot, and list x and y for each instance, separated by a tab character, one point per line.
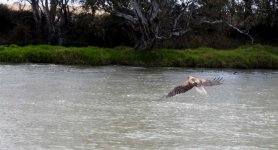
194	81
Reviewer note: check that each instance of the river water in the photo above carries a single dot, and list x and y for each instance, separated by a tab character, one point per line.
117	107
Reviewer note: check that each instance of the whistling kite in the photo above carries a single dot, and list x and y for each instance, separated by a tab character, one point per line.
198	83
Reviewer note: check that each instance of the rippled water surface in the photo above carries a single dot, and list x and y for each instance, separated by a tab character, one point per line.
115	107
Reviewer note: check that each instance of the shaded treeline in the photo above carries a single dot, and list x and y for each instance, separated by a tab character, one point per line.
83	29
144	24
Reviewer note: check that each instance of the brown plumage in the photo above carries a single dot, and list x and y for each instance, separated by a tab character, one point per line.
193	82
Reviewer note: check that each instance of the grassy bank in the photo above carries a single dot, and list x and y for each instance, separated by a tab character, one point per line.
256	56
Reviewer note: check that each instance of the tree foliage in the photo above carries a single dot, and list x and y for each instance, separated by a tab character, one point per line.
154	20
144	24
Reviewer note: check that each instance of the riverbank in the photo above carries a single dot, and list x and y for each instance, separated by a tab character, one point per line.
246	57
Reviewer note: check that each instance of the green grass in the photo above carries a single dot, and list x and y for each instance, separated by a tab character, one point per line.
254	56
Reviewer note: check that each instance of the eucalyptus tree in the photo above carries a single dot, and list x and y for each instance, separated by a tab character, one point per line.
154	20
231	13
267	11
37	15
56	13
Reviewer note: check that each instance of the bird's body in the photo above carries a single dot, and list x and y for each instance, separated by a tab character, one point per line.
191	82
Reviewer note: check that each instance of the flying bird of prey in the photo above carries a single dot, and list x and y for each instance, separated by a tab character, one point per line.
198	83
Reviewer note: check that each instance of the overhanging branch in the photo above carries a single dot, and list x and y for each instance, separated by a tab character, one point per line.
174	34
130	18
231	26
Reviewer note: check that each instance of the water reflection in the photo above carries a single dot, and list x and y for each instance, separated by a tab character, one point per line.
115	107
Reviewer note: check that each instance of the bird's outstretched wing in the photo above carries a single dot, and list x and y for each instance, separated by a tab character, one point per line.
215	81
179	89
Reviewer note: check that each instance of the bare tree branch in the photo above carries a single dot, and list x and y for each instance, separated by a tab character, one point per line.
231	26
154	10
138	12
174	34
127	17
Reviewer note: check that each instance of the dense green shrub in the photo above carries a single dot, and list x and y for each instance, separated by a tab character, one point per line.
257	56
